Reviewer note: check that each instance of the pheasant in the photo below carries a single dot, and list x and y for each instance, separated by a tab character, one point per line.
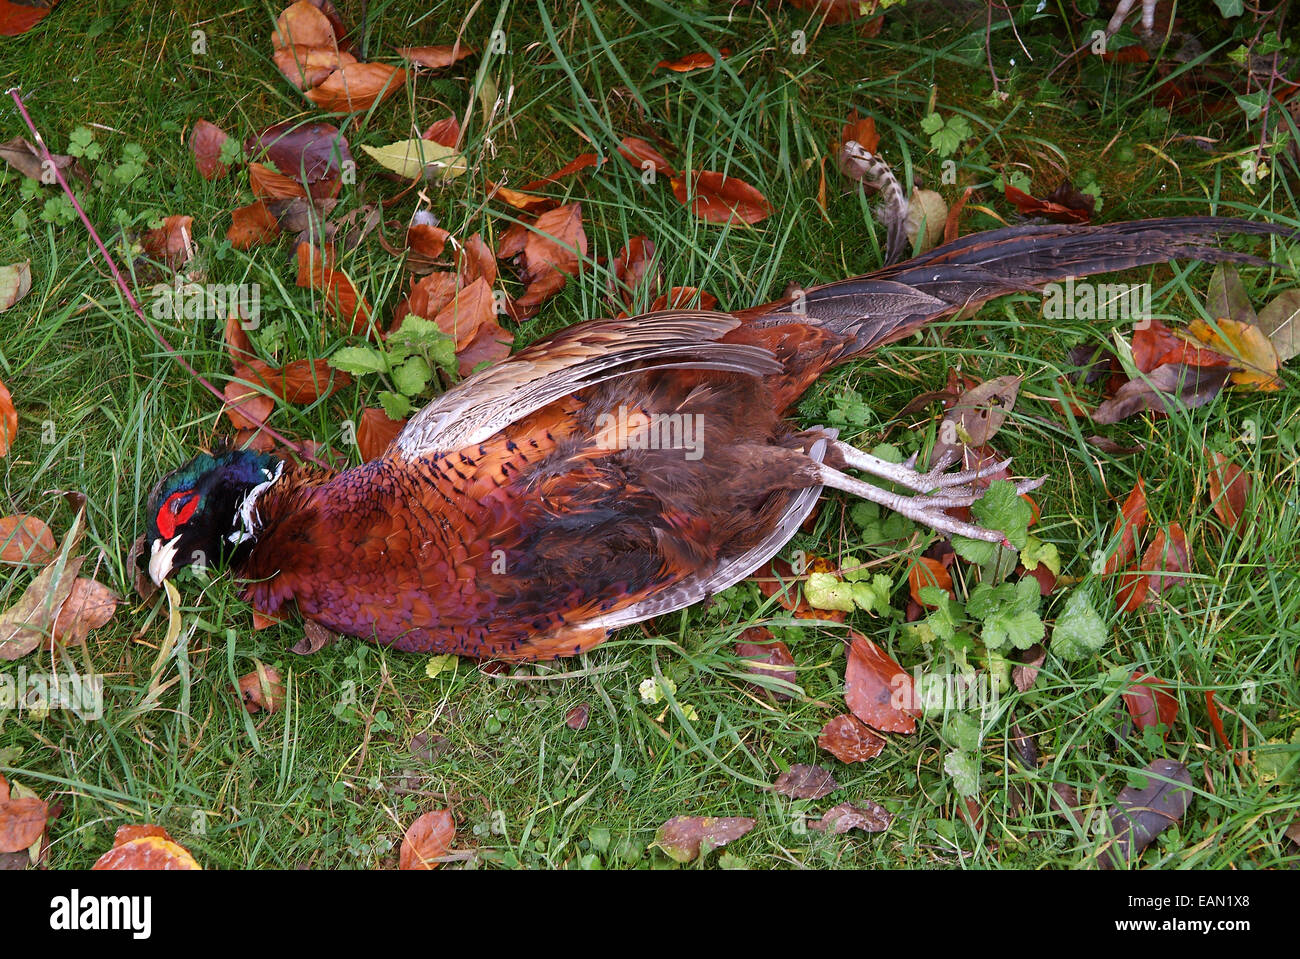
616	470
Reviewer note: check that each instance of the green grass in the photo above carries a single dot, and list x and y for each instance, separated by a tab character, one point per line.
332	780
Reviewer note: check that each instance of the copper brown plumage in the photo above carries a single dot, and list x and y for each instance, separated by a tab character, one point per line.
557	496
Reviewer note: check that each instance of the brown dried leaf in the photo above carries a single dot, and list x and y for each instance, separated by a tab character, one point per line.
28	622
261	689
25	540
305	66
301	381
802	781
427	840
1132	520
684	838
436	57
632	268
1053	209
1280	322
692	61
1139	815
871	817
302	24
766	656
1192	386
445	132
715	198
245	406
251	225
21	823
578	717
375	432
849	740
1247	346
315	638
172	242
638	152
205	142
89	606
29	161
357	86
1229	489
877	689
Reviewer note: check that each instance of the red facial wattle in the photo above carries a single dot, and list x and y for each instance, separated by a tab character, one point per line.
176	511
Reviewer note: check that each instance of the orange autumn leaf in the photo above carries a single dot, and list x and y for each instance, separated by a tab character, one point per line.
1229	489
375	432
527	202
928	572
25	539
266	184
303	24
1132	520
633	267
436	57
581	162
715	198
474	259
301	381
638	152
683	298
877	689
692	61
469	309
951	227
17	16
445	132
251	225
1032	206
89	606
1246	346
8	420
427	840
22	821
172	242
848	739
140	847
426	240
490	345
245	406
1154	345
261	690
205	143
357	86
862	130
305	66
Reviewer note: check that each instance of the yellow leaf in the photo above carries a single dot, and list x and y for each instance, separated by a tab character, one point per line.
1247	346
413	158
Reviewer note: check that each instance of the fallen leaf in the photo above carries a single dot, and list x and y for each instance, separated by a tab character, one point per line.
261	689
303	24
1280	322
21	823
474	260
172	242
445	132
684	298
802	781
315	638
633	267
1132	520
870	817
30	162
716	198
639	153
145	847
206	141
766	656
25	540
301	381
1058	205
375	432
1226	296
1229	489
1247	345
89	606
862	131
849	740
357	86
1024	675
418	157
28	622
552	252
928	572
951	225
692	61
1190	386
683	838
777	578
15	282
427	840
308	153
245	406
1216	721
877	689
305	66
251	225
1139	815
578	717
927	211
1155	345
436	57
1149	704
426	241
19	16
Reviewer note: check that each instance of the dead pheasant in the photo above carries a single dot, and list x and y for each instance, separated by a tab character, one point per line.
615	471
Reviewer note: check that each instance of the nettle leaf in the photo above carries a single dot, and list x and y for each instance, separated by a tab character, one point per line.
1036	551
1003	509
412	376
358	360
947	613
873	596
964	768
1009	612
1079	631
395	405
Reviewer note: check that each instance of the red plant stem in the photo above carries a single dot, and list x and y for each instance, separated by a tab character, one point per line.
126	290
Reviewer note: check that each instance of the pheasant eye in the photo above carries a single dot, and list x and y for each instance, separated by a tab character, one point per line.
175	511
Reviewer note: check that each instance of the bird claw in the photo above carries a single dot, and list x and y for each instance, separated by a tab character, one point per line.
936	490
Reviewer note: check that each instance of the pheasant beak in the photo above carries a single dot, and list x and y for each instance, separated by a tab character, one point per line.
160	559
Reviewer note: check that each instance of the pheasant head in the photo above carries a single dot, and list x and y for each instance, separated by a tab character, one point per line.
205	512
